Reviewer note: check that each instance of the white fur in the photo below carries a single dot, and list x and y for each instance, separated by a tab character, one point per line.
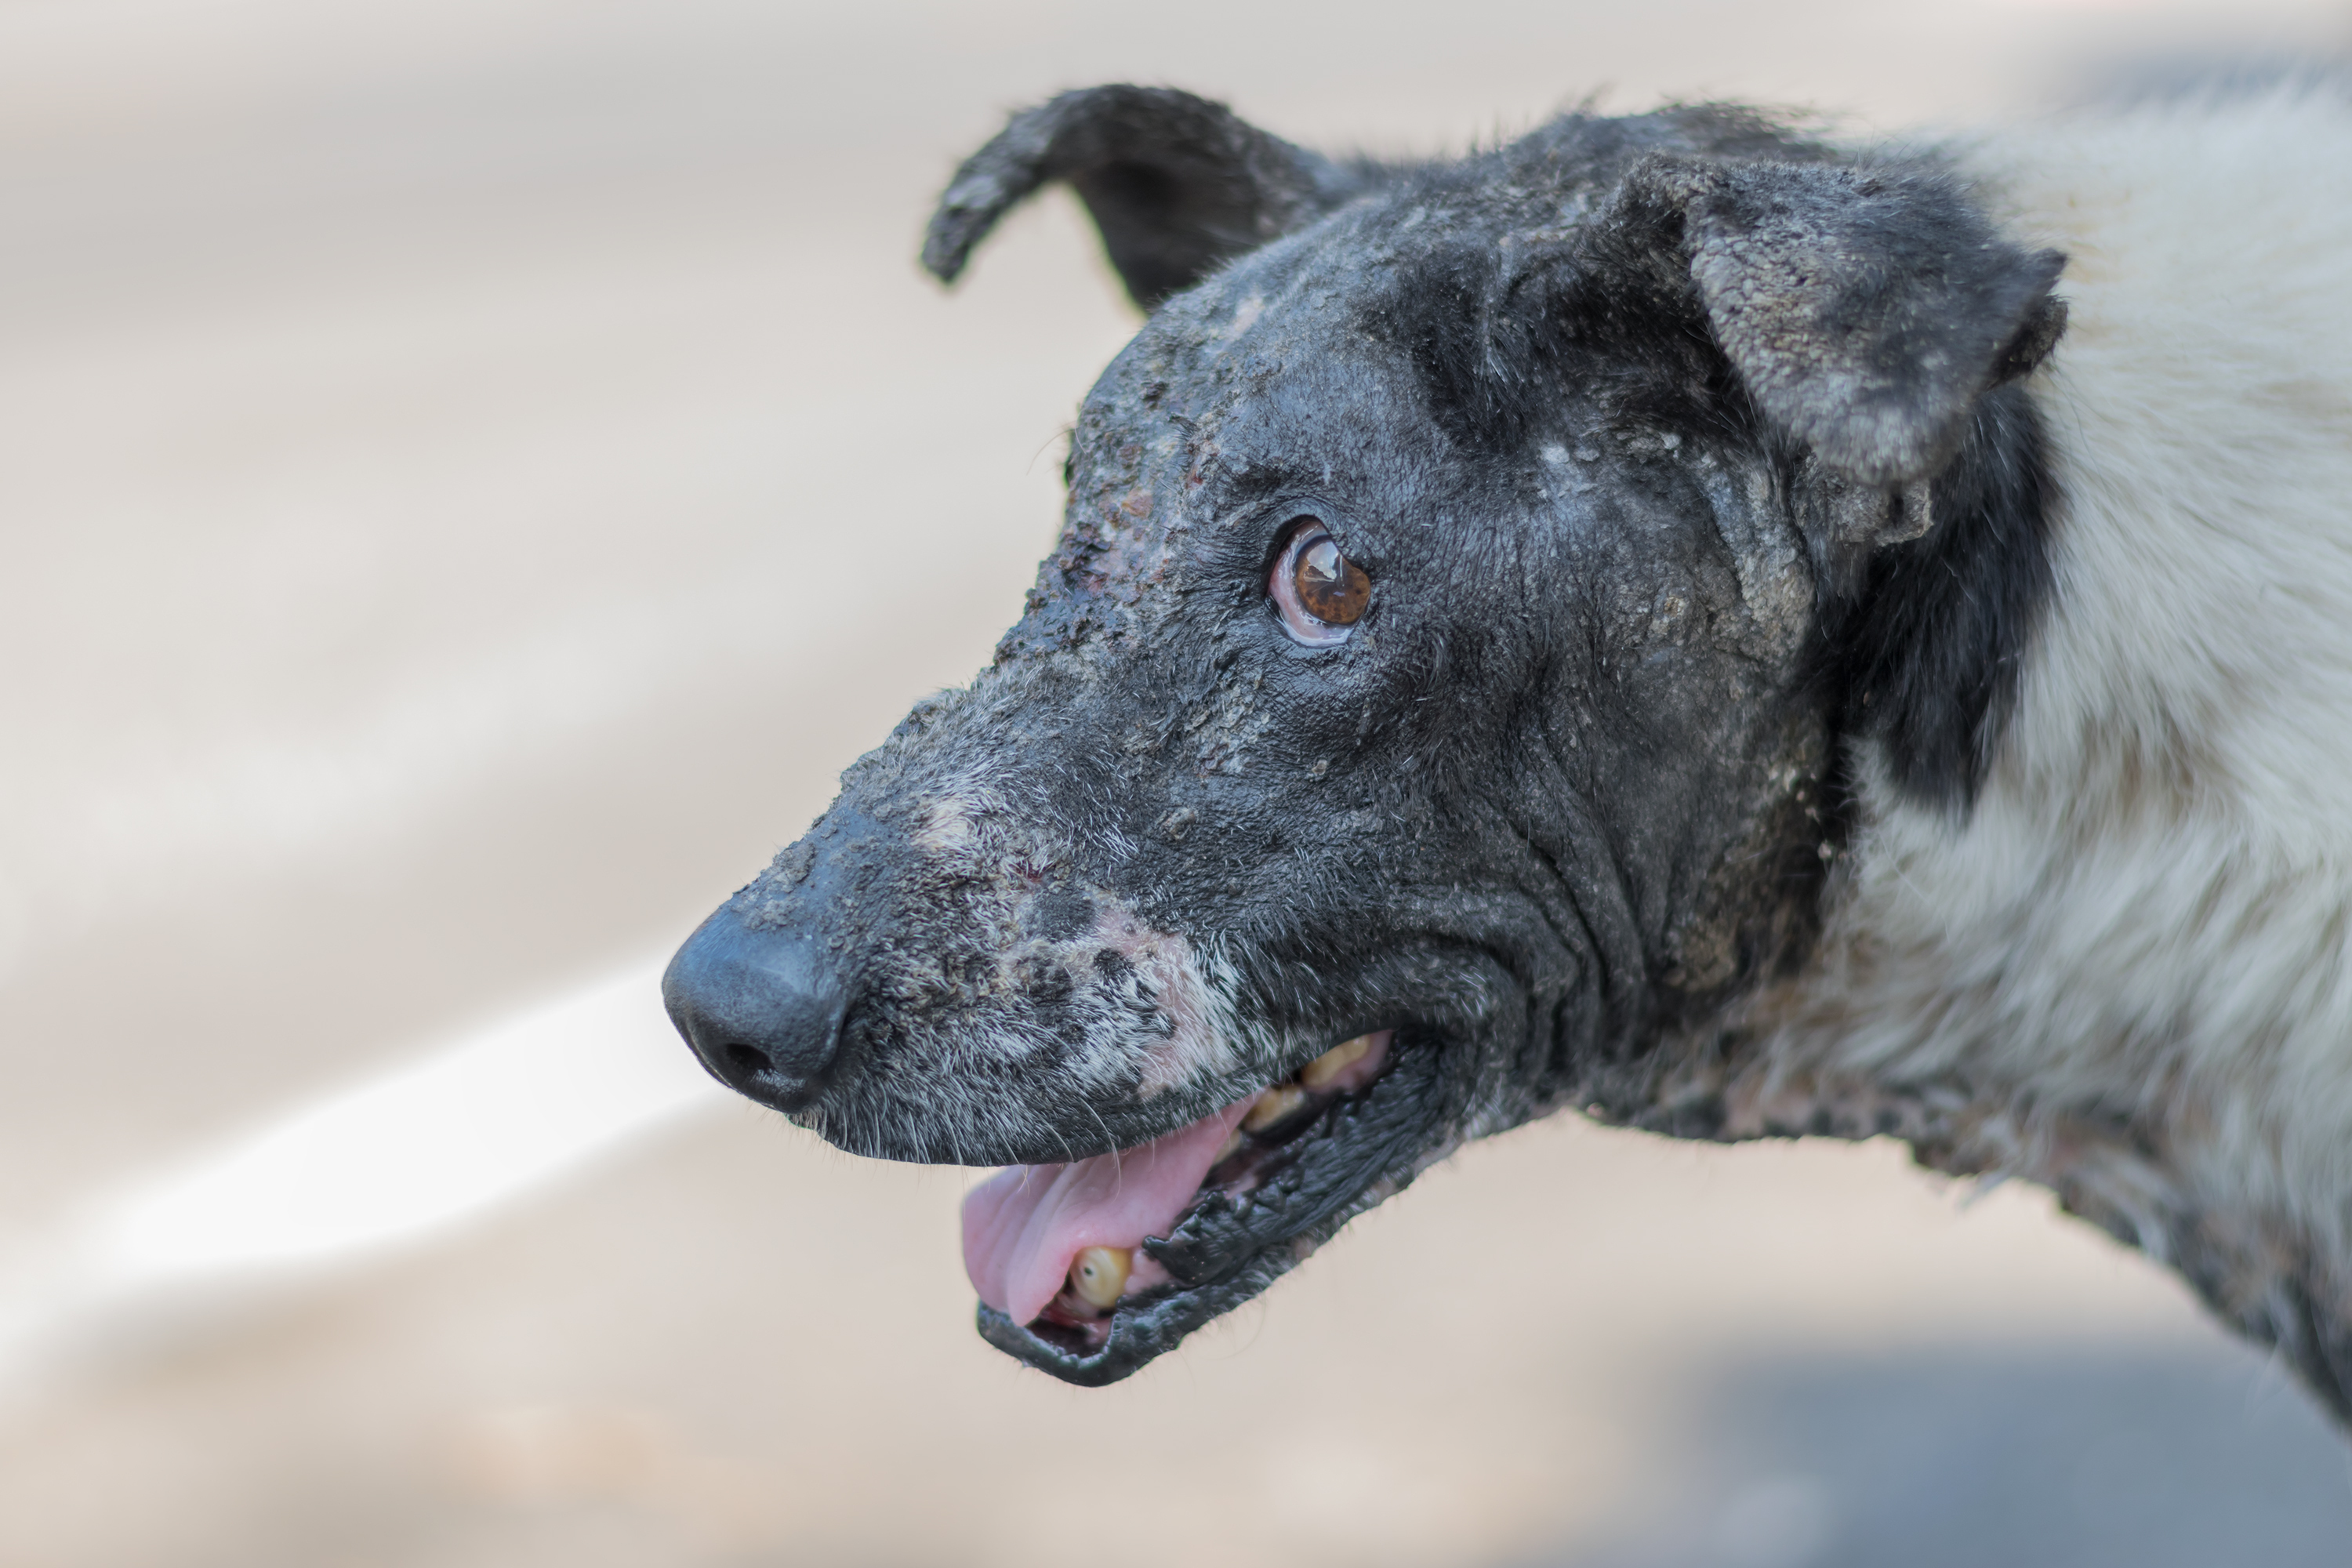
2144	921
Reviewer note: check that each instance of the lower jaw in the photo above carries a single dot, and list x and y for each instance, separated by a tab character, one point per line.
1094	1354
1146	1325
1215	1264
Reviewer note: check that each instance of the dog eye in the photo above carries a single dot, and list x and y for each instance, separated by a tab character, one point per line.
1320	593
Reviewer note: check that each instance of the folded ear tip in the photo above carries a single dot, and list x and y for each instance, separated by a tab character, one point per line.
969	208
2035	337
947	244
945	265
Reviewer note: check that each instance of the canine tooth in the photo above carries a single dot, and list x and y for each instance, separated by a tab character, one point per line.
1098	1274
1335	1061
1279	1103
1225	1151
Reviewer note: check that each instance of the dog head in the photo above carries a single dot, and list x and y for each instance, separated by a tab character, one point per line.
1468	573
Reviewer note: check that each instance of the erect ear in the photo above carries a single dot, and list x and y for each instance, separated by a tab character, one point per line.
1177	185
1866	310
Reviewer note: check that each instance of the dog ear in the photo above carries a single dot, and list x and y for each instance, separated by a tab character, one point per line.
1865	310
1176	183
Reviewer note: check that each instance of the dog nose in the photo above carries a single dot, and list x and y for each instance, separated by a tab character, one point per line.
763	1009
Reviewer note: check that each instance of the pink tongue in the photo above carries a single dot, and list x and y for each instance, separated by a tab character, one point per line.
1023	1224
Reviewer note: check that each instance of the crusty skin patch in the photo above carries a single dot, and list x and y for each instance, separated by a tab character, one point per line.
948	832
1198	1045
2171	1189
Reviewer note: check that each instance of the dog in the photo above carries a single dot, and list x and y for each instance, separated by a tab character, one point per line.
1675	617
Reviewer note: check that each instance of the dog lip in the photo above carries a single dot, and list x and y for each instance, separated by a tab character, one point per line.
1374	1132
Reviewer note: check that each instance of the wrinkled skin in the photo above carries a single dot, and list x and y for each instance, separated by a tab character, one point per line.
1564	794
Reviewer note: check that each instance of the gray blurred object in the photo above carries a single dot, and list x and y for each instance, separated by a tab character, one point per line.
1964	1458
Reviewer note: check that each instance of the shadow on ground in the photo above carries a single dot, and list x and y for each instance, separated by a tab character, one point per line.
1964	1459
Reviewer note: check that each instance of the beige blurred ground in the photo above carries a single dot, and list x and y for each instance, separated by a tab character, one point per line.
470	476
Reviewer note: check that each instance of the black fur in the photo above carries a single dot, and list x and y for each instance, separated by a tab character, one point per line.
1514	315
1928	654
1923	652
1177	185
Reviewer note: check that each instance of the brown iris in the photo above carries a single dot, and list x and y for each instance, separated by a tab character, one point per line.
1318	591
1332	588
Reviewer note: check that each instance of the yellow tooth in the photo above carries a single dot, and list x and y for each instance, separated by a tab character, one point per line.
1098	1274
1335	1061
1232	1141
1279	1101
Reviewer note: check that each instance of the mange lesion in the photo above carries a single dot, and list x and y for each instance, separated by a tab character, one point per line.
1141	998
1167	975
2138	1182
946	831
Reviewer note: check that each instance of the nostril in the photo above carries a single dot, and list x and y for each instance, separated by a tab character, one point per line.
749	1059
760	1008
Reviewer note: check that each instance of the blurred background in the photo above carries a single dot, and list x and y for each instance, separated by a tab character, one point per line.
470	476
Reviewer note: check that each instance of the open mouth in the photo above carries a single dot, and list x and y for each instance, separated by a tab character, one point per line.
1089	1269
